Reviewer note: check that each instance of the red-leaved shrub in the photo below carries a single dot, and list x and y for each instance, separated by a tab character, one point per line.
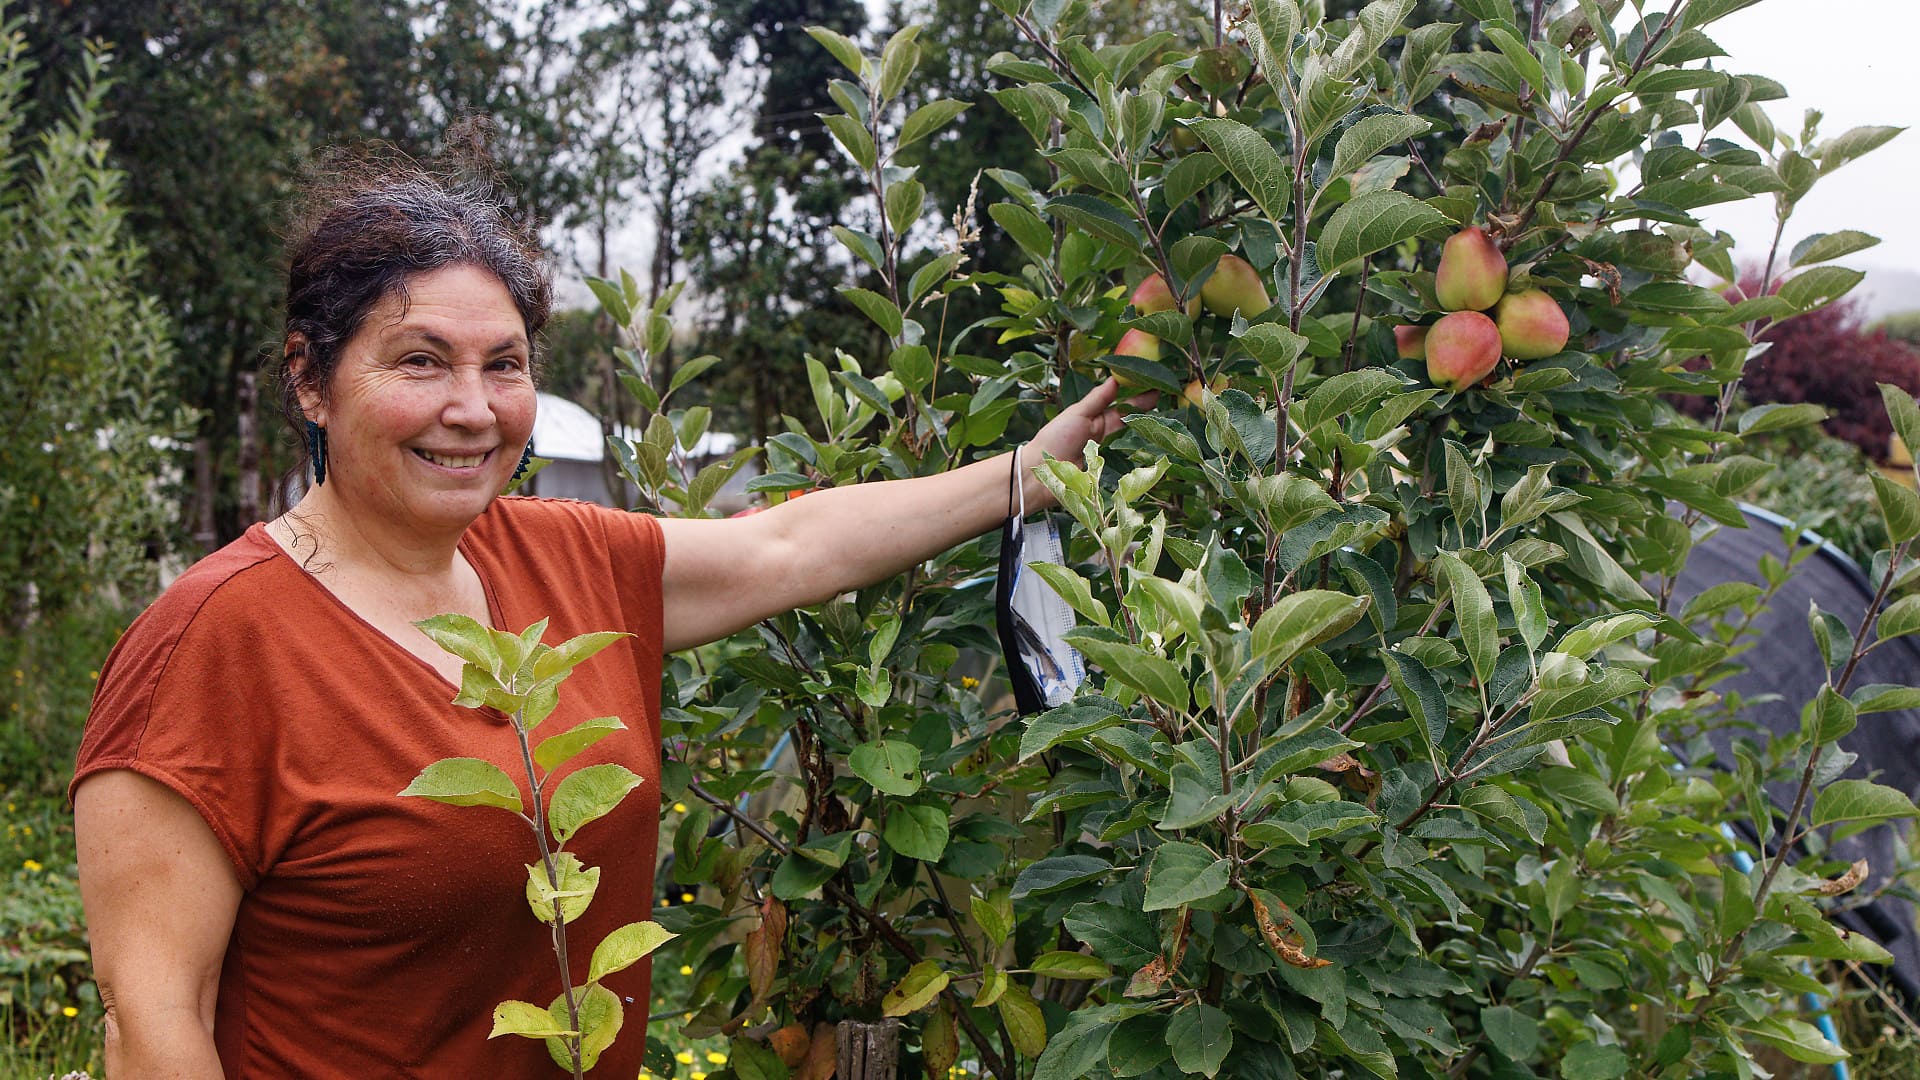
1831	358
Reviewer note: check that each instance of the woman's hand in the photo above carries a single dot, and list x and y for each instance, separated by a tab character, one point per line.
1095	417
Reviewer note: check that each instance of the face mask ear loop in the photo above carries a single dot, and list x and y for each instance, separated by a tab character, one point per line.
1017	485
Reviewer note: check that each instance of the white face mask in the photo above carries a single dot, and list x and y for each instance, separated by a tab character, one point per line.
1033	620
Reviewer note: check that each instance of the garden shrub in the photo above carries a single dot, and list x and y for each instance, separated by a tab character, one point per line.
1374	778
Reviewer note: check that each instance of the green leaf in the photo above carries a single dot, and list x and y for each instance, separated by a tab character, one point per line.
601	1016
525	1019
464	638
1796	1039
1511	1031
1419	692
915	991
1097	218
1904	414
1344	393
798	876
1026	1024
1850	144
556	750
905	198
1183	873
1076	1051
917	831
1819	286
842	48
1899	507
624	947
1764	418
1884	697
1189	176
1251	159
1130	665
1821	247
890	765
1058	872
575	892
1071	721
1591	1061
1059	964
1473	611
853	137
588	794
750	1060
1274	346
1300	620
1068	585
1829	716
1025	227
1601	631
993	914
928	119
1200	1037
1372	135
876	307
464	781
862	245
1372	222
1860	800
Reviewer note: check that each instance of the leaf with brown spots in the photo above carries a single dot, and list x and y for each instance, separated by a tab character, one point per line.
1846	882
1148	980
1279	932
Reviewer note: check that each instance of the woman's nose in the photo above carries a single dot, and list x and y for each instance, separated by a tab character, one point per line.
468	403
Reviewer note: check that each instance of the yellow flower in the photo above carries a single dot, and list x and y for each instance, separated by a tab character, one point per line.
69	1011
31	867
679	808
686	969
94	675
684	1057
716	1058
686	898
699	1076
968	682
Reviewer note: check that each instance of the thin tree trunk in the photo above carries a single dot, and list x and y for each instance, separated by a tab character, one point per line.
204	533
249	417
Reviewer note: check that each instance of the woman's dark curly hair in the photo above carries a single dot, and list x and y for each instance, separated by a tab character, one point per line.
370	220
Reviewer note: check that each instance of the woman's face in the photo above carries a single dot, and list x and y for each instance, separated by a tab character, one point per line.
430	405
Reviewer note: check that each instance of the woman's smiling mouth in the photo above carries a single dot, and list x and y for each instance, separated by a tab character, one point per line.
453	461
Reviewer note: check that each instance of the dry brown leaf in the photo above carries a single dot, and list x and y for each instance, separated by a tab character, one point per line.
823	1054
1148	980
1846	882
790	1043
1280	936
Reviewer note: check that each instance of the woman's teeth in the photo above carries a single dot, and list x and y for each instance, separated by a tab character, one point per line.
451	462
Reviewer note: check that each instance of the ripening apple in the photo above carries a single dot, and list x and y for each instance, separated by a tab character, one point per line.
1233	286
1411	342
1461	349
1472	274
1198	394
1135	343
1153	295
1532	326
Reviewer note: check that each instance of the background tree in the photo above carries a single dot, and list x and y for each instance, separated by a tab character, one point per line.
86	406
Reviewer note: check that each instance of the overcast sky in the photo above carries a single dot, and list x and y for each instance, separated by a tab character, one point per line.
1854	60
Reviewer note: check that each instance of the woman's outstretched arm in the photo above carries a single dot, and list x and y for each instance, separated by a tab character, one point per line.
723	575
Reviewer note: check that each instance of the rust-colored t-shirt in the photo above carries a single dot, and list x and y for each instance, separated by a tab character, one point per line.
377	933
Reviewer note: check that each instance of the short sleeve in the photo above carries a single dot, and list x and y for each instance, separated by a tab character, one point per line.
176	701
636	549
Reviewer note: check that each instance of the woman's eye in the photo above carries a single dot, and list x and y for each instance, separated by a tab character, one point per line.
418	360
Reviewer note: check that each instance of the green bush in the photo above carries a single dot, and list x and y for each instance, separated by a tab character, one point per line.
1373	782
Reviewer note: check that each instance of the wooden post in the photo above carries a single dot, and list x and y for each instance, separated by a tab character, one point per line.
869	1051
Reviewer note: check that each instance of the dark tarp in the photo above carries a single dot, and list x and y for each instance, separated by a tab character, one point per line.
1783	661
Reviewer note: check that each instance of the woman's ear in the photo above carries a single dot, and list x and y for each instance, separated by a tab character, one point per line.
299	361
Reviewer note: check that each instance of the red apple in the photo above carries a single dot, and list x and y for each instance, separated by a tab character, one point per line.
1198	394
1461	349
1138	343
1233	286
1412	342
1154	295
1472	273
1532	326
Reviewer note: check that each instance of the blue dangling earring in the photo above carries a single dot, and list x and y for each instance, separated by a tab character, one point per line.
317	451
526	459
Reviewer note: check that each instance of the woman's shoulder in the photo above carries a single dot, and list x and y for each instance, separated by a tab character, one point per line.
562	527
239	578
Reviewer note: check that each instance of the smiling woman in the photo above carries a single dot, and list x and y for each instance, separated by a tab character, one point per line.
259	899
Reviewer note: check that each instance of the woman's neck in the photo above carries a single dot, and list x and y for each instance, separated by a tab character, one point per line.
328	536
